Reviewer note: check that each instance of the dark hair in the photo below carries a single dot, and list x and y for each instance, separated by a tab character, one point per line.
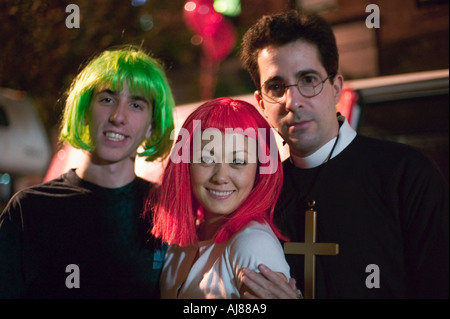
283	28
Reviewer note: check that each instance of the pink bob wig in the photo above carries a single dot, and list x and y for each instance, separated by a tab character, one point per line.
175	208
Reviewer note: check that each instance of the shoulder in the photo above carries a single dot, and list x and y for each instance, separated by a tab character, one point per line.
386	148
255	239
386	155
401	152
255	230
63	186
396	162
255	245
36	196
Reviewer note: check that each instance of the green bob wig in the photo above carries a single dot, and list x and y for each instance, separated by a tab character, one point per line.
143	75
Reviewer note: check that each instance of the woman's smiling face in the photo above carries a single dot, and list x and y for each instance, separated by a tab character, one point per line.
223	176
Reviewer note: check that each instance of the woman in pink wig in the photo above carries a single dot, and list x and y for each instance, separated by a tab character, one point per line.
215	205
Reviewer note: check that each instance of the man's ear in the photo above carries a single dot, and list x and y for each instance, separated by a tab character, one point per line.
149	131
260	102
338	84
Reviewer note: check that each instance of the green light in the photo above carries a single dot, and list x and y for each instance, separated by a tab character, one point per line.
228	7
5	179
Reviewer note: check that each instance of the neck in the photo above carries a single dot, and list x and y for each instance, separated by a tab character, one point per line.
112	175
346	136
209	228
317	158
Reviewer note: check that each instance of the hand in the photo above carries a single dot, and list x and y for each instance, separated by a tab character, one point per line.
268	285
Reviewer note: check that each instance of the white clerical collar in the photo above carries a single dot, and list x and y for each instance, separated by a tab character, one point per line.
346	136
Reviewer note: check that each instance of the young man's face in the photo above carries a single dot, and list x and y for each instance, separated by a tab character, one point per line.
118	121
304	123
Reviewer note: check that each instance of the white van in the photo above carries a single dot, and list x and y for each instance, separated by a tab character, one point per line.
24	145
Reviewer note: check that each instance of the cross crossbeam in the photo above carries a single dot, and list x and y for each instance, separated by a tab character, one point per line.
310	248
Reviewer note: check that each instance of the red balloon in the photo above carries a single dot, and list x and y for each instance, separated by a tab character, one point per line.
201	17
219	44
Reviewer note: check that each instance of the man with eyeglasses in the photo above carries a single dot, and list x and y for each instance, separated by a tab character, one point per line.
383	204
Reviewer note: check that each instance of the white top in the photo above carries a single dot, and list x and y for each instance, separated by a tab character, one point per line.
216	273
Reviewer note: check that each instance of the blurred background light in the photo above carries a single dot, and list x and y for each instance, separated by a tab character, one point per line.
196	39
190	6
146	22
137	3
228	7
5	178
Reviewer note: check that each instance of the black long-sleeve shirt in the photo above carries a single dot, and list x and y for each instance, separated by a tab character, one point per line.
69	221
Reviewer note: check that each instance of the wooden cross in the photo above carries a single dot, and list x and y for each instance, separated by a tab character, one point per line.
310	249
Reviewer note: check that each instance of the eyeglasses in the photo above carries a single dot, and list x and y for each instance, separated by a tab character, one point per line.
309	85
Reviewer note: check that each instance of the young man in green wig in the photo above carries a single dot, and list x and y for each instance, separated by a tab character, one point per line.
82	235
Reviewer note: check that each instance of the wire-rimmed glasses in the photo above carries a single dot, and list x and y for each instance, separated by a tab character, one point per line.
309	85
